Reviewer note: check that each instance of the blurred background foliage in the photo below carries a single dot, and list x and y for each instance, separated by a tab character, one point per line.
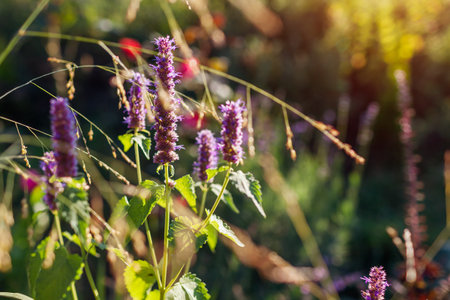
334	60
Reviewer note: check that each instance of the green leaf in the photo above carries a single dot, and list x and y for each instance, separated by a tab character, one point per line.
37	194
75	207
126	141
120	209
139	279
141	206
213	172
250	187
212	237
52	283
35	264
153	295
226	196
15	296
144	143
184	235
224	229
185	185
189	287
74	239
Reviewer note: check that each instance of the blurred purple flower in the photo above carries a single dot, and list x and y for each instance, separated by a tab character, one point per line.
165	103
377	284
64	137
207	154
136	111
231	141
52	188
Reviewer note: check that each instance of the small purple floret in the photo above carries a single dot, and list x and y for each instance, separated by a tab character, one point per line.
64	137
136	97
48	166
165	103
232	136
207	154
377	284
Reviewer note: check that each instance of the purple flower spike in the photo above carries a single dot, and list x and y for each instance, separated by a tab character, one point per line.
136	111
231	143
165	103
207	154
48	166
64	137
377	284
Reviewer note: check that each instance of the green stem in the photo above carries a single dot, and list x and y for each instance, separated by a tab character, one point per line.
202	205
147	227
89	274
61	241
216	203
166	232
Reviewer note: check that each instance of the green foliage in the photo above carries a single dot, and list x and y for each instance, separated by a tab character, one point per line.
75	206
185	185
140	206
211	173
53	282
224	229
226	196
184	234
212	237
249	186
126	140
189	287
139	279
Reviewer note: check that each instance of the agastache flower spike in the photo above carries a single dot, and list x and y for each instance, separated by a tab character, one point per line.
136	111
48	166
231	142
377	284
165	103
207	154
64	137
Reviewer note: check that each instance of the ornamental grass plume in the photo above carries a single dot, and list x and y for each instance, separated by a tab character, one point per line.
232	136
136	110
64	137
377	284
165	103
207	154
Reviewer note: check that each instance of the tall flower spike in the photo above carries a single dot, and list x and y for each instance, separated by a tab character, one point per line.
64	137
136	110
377	284
165	103
207	153
231	143
48	166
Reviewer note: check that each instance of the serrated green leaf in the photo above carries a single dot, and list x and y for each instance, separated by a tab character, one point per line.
226	196
76	240
211	173
184	235
224	229
139	279
126	141
35	264
212	237
15	296
74	207
189	287
141	206
185	185
144	143
52	283
250	187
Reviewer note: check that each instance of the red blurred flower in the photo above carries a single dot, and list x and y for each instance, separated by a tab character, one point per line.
30	181
190	121
189	68
130	47
219	20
